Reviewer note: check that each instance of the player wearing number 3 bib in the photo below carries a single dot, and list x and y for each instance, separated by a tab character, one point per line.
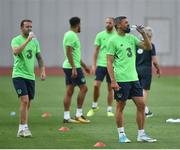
26	50
121	59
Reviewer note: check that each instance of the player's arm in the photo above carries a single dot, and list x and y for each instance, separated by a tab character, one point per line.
41	66
145	44
110	59
95	55
18	50
69	55
156	65
86	68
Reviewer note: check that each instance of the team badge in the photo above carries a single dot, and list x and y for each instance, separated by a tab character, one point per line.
19	91
140	51
83	80
119	95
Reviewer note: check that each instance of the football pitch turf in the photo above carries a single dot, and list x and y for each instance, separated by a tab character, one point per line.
164	102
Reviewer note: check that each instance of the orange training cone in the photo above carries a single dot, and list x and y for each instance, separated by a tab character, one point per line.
64	129
100	144
46	115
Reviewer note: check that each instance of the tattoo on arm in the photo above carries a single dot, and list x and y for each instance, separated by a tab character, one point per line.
40	60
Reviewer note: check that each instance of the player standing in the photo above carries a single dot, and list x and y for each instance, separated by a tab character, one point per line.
121	66
73	72
144	61
25	50
99	67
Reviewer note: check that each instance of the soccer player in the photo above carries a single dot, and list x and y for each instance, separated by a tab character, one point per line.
25	51
144	61
121	66
99	67
73	72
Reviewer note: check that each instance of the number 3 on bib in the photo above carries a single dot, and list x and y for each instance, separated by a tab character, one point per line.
129	52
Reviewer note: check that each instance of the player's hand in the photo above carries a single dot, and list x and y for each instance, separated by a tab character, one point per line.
43	75
115	86
74	73
158	72
31	35
87	70
93	69
140	29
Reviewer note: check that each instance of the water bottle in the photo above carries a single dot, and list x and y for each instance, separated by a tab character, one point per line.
133	27
34	36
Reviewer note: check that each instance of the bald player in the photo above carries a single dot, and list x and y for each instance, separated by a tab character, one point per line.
99	67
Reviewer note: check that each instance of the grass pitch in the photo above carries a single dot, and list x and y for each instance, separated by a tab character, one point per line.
164	102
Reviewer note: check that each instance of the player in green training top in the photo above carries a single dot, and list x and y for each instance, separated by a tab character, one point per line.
99	67
73	72
121	57
25	51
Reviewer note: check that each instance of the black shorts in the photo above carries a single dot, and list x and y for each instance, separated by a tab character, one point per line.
101	72
24	87
80	80
145	81
128	90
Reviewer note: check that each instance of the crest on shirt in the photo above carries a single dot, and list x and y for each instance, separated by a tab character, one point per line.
140	51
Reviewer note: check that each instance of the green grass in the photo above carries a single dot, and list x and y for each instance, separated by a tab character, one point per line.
164	102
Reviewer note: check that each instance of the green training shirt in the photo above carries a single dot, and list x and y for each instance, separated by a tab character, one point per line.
101	41
123	48
71	39
25	61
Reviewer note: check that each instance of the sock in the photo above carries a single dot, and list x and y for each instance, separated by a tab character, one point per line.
146	110
67	115
140	132
109	109
79	112
23	127
94	104
121	130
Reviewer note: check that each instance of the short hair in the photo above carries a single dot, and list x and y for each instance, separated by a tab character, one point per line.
118	19
25	20
148	31
74	21
110	18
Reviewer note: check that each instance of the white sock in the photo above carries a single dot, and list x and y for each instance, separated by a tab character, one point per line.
79	112
146	110
94	104
23	127
121	131
140	132
67	115
109	109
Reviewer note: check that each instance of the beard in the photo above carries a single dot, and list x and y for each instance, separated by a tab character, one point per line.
127	30
109	28
79	30
26	34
